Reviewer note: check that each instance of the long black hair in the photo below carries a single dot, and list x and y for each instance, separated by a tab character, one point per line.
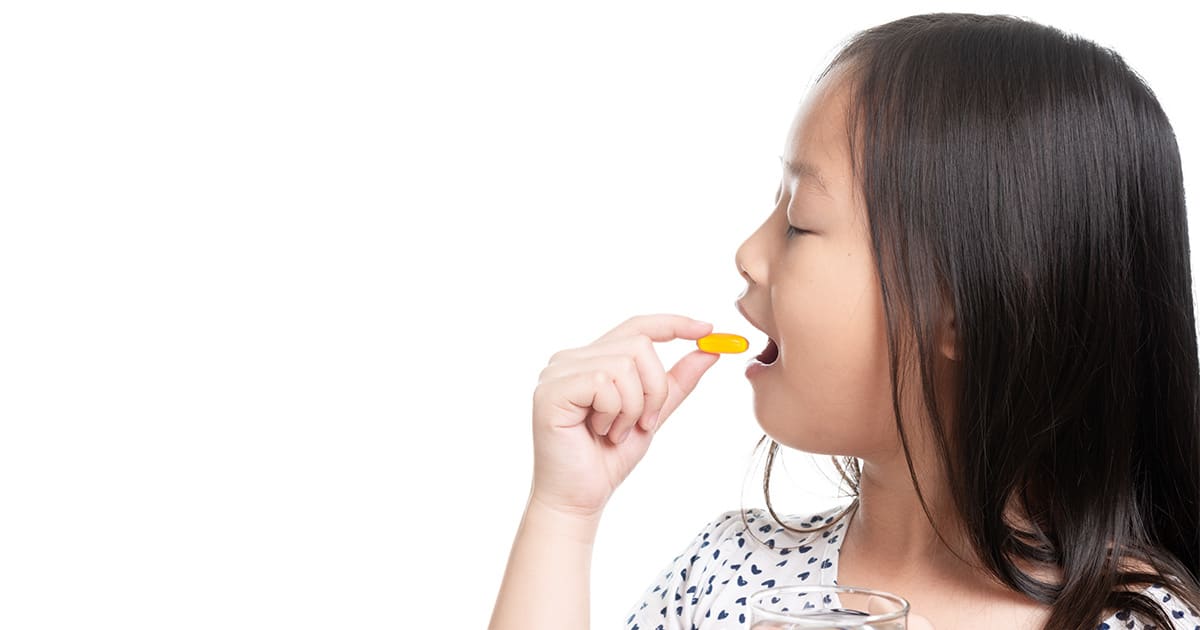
1030	179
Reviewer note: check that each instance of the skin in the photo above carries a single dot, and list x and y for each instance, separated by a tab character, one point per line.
597	407
818	296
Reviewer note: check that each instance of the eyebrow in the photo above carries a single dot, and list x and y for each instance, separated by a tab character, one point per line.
802	170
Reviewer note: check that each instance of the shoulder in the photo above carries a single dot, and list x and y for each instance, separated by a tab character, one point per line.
733	555
733	537
762	527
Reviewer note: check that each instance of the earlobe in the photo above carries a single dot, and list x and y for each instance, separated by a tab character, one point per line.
949	337
950	346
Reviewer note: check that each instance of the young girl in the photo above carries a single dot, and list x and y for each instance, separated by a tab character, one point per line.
976	285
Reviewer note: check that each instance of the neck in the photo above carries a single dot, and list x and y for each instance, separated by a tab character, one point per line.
890	527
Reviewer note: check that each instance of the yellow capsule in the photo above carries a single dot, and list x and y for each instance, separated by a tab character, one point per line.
724	343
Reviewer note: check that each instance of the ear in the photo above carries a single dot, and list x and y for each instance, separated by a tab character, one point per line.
948	332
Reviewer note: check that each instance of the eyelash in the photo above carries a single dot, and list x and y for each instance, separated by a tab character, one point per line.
793	231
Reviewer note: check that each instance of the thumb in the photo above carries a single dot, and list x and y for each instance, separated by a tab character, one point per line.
682	379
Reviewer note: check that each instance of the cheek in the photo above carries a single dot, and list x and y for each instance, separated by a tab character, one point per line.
835	393
834	326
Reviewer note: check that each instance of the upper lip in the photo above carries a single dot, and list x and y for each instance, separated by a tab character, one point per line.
741	309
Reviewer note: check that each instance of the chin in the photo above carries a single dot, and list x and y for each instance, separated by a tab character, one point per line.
805	434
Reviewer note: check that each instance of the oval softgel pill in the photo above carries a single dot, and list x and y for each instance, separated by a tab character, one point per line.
723	343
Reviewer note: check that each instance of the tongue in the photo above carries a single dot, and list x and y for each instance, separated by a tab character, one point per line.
770	353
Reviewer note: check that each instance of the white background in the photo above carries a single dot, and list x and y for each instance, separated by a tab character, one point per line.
277	279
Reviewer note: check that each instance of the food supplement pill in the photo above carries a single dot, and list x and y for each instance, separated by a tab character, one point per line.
724	343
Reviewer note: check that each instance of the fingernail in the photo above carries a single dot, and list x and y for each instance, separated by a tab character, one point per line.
652	421
624	435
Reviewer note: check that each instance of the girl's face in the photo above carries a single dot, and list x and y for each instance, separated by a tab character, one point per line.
817	295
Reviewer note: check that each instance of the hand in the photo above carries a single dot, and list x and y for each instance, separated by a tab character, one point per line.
596	408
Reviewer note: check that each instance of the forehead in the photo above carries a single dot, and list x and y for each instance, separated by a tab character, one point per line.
817	136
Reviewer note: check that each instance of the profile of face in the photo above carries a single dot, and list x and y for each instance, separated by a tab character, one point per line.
816	294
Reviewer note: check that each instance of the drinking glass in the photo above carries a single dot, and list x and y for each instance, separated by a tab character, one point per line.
827	607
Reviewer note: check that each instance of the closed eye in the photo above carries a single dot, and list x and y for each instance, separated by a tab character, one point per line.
793	231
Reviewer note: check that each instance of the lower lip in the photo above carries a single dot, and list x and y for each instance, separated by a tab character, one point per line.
755	366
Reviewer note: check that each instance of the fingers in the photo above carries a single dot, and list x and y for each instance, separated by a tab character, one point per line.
660	327
595	391
629	384
683	377
620	373
628	364
654	382
650	372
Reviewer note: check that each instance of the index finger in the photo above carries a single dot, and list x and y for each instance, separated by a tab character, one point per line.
660	327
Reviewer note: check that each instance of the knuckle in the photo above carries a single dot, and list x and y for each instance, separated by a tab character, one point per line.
638	322
629	364
606	407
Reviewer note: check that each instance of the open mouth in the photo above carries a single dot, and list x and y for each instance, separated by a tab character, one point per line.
770	353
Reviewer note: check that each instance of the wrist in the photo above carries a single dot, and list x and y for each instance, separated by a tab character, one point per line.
576	525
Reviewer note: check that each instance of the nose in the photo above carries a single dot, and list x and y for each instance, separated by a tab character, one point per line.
740	259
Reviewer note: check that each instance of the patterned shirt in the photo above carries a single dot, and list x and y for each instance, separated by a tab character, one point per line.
707	586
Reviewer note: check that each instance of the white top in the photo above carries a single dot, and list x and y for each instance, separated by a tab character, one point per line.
706	586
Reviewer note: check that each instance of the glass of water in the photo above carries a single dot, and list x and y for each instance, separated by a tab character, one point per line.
826	607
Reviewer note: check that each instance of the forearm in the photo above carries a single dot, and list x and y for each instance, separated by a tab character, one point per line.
546	584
